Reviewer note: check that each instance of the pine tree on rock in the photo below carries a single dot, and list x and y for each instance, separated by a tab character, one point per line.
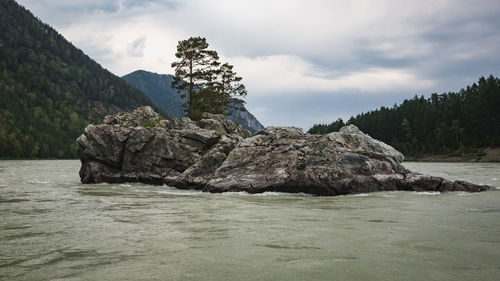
193	72
230	88
207	85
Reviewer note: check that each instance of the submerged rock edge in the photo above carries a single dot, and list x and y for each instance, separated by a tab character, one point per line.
216	155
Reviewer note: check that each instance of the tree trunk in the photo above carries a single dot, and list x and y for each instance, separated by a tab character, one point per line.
191	88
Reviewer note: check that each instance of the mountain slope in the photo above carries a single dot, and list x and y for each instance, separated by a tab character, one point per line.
157	87
246	119
49	89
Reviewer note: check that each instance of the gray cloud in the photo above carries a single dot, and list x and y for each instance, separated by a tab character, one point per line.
136	48
62	13
169	4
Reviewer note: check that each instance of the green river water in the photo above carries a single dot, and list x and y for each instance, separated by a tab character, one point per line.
54	228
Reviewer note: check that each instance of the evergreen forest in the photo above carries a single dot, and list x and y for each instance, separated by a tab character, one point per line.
451	123
49	89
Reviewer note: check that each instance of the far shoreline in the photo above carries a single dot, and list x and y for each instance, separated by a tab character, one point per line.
485	155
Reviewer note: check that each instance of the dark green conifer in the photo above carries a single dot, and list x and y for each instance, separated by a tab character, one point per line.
194	71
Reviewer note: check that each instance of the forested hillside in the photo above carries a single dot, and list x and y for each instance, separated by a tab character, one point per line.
157	87
49	89
441	124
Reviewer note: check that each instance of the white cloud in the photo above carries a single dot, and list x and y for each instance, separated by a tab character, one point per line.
291	74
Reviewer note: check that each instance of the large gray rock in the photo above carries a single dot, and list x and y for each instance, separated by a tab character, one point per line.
214	155
140	147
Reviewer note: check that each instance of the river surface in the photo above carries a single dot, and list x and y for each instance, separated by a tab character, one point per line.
54	228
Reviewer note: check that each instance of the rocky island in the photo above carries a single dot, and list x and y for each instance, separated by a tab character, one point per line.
217	155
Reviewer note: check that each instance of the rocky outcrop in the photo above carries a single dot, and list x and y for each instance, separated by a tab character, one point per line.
141	147
213	155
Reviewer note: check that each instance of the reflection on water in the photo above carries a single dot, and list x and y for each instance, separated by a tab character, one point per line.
53	227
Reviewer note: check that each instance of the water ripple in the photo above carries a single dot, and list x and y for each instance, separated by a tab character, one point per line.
296	247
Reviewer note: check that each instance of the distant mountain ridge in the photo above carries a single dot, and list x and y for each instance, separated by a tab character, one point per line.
157	87
49	89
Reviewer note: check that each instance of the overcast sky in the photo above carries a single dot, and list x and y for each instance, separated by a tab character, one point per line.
303	62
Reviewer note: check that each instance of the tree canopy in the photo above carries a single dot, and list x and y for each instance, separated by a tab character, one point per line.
207	85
